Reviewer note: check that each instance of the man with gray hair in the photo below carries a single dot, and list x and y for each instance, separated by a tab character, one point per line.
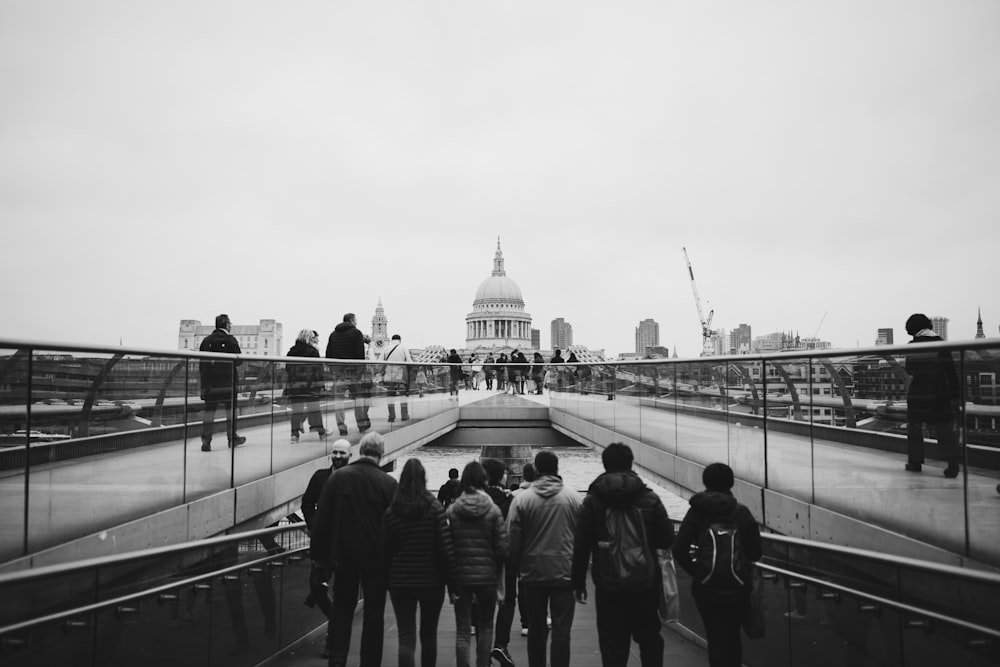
346	540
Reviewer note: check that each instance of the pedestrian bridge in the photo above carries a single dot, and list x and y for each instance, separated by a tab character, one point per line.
116	522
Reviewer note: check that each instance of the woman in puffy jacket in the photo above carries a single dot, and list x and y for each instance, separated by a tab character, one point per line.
418	553
479	537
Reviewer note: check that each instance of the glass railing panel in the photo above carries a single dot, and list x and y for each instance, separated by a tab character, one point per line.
629	391
744	415
63	642
206	472
981	437
702	430
787	406
658	417
604	385
16	432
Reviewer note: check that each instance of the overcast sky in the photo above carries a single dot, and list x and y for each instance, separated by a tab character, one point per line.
822	162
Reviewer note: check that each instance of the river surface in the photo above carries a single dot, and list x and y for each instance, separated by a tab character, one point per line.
578	466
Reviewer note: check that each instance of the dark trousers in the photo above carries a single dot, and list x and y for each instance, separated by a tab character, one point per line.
208	418
946	437
722	613
404	604
544	600
622	617
305	407
347	579
483	599
507	608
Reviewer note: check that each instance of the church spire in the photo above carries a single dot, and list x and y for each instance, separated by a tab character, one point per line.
498	261
979	325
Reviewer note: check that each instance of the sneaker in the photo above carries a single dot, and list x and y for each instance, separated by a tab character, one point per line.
472	631
342	430
952	471
913	467
323	434
295	438
524	632
237	441
501	655
206	445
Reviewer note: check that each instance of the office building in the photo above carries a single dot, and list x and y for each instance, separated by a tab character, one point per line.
884	337
940	326
562	334
647	335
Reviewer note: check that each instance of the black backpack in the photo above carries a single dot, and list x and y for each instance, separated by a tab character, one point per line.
719	554
624	561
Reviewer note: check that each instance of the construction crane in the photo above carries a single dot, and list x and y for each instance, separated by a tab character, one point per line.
706	322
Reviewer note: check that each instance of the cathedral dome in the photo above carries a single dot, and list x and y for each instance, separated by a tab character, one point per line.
499	288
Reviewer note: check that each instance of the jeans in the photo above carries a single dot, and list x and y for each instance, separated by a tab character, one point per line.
542	600
622	617
305	407
507	608
404	604
346	580
722	612
486	599
208	418
947	439
359	392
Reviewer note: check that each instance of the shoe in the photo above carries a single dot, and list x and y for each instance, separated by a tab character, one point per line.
206	445
472	631
294	438
237	441
406	418
501	655
323	434
343	430
913	467
524	631
392	419
952	471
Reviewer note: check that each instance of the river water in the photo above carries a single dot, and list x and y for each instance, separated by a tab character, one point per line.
578	466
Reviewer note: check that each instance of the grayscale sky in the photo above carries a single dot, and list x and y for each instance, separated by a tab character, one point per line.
823	162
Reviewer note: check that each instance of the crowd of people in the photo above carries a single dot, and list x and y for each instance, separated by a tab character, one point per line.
490	548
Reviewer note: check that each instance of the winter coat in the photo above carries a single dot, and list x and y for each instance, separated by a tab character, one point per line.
934	391
706	507
542	524
416	544
217	376
620	490
310	499
303	379
348	525
479	538
346	342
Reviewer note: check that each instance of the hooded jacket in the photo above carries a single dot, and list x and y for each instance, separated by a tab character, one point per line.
346	342
542	524
617	489
416	544
303	377
479	538
705	507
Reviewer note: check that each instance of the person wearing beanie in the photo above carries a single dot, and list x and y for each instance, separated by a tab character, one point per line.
722	609
933	398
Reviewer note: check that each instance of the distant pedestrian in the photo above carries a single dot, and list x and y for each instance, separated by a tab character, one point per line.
397	378
449	490
418	551
489	369
557	371
624	612
218	383
542	523
455	371
347	342
479	537
347	540
933	398
538	372
501	366
721	581
305	382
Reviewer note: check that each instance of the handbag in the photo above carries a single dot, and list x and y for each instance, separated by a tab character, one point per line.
670	599
753	621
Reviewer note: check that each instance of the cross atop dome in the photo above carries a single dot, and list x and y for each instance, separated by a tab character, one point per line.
498	261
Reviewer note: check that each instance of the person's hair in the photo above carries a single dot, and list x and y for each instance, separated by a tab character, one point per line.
917	322
473	477
528	473
412	481
495	470
453	473
396	337
717	477
348	317
546	463
304	336
222	321
372	444
617	457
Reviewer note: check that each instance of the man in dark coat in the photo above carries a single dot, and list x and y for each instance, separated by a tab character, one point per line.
347	342
933	398
621	615
218	383
340	454
347	541
722	609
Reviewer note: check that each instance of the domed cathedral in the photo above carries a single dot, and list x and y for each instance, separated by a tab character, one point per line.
498	319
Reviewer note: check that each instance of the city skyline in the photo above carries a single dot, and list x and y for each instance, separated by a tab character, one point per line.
303	162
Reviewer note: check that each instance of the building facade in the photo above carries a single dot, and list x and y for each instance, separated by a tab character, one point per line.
940	326
884	337
264	339
560	334
647	335
498	318
740	340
